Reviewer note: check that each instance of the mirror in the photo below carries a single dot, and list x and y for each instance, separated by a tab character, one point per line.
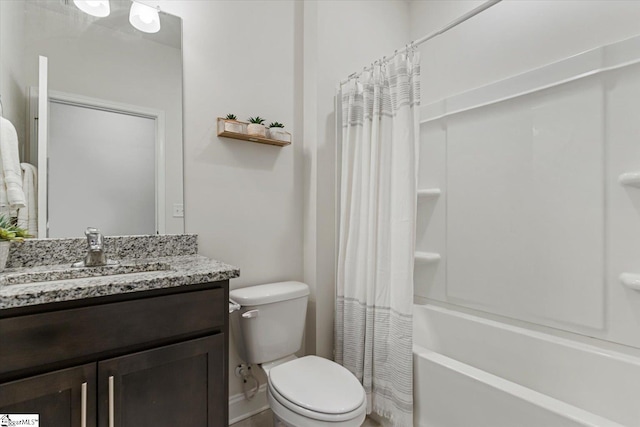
113	140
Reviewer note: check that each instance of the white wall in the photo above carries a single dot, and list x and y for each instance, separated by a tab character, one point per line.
511	37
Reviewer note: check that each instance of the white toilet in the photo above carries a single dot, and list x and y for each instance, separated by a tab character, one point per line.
303	392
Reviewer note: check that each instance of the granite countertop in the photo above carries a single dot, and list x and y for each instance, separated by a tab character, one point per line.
166	272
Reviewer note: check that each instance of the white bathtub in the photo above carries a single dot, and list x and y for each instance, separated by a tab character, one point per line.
473	372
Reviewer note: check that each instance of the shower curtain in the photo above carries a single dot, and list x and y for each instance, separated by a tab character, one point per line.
373	327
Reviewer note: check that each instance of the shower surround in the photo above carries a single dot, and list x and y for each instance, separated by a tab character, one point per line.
523	306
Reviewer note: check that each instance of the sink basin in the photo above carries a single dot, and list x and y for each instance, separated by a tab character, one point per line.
68	273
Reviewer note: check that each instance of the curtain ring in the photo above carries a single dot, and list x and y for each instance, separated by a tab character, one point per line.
411	50
410	47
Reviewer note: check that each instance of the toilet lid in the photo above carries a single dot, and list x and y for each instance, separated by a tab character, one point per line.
317	384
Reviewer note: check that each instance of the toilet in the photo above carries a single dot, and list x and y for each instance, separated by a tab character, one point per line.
308	391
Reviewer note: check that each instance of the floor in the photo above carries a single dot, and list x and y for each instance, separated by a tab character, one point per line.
265	419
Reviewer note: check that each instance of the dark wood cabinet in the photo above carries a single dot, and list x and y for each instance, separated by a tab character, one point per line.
156	358
167	386
61	398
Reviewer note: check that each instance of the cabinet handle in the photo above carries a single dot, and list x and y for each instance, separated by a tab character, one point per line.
83	406
111	403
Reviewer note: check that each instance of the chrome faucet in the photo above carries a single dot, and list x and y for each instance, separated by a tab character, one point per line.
96	255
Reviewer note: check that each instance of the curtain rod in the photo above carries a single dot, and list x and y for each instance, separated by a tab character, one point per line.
473	12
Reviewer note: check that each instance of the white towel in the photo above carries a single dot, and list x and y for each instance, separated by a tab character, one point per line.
11	170
4	202
28	216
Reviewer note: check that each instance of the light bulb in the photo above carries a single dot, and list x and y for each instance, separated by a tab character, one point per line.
144	18
99	8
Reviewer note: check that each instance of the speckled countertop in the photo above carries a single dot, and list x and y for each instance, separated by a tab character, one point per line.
175	266
182	270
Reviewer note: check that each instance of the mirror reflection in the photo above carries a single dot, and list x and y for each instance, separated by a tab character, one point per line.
106	135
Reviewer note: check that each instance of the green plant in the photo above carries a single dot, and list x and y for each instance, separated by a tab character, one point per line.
276	125
257	120
231	117
9	231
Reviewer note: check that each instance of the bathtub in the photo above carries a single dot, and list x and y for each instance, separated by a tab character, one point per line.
474	372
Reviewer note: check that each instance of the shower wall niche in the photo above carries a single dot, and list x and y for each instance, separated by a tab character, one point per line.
531	221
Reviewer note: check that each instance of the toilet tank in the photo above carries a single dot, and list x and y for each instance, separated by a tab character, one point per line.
270	322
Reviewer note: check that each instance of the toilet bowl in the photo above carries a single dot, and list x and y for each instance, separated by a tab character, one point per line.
302	392
315	392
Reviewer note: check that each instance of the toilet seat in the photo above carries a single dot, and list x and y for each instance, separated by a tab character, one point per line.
317	388
288	418
286	409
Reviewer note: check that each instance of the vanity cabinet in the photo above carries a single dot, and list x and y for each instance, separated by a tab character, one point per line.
153	358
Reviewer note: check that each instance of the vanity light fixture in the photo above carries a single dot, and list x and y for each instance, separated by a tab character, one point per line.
99	8
144	18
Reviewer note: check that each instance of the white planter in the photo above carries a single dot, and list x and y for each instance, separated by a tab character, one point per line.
4	253
232	126
256	129
279	134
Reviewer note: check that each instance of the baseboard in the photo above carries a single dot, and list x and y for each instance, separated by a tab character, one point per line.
241	408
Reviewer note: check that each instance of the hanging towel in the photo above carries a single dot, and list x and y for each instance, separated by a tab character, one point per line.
28	216
4	202
11	176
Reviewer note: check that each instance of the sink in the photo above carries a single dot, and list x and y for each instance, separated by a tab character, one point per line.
53	273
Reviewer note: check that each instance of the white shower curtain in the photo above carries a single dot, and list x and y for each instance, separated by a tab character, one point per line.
373	328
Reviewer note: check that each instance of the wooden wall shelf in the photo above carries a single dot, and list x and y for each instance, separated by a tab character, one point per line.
246	137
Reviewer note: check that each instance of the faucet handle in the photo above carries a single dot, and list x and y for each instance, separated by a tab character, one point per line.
94	238
91	230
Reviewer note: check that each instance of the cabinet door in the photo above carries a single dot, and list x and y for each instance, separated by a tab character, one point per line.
65	398
177	385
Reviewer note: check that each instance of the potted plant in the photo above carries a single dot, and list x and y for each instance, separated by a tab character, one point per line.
9	232
231	124
276	131
256	127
